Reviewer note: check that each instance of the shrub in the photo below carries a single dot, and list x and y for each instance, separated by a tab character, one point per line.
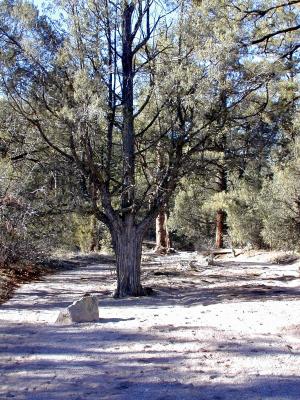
280	205
15	244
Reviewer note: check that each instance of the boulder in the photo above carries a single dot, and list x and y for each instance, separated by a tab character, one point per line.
82	310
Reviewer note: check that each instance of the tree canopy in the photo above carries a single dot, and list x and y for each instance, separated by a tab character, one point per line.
113	107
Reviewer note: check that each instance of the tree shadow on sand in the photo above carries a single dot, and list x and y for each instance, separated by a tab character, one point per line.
51	362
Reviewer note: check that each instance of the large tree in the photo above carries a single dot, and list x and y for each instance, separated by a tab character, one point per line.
89	86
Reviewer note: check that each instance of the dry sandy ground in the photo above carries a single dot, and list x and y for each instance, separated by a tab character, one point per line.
225	332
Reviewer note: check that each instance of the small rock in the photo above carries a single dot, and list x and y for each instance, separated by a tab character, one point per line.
82	310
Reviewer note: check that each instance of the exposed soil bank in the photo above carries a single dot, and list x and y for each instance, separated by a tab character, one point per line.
13	276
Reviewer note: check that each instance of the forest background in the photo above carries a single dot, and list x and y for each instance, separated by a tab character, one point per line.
117	114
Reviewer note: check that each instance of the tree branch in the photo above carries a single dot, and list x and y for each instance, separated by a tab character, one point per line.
272	34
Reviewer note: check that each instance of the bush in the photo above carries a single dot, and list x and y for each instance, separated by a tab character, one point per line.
243	215
280	205
15	244
190	220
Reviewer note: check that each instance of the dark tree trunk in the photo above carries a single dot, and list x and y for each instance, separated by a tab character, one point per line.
220	228
127	238
163	242
128	193
221	214
95	242
128	249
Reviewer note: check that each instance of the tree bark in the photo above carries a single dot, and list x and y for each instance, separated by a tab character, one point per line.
163	242
221	214
220	227
128	249
95	245
128	192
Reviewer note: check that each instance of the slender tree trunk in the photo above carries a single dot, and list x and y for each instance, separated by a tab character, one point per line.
95	245
221	214
220	228
128	249
163	242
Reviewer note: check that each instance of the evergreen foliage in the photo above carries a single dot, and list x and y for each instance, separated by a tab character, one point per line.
280	204
116	110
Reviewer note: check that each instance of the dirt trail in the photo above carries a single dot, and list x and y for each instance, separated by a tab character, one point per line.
229	331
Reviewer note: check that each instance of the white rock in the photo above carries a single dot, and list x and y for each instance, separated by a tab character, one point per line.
82	310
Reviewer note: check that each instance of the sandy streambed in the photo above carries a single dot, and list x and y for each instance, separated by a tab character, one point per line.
228	331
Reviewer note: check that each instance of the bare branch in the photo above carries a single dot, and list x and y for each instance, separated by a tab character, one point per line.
272	34
262	13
